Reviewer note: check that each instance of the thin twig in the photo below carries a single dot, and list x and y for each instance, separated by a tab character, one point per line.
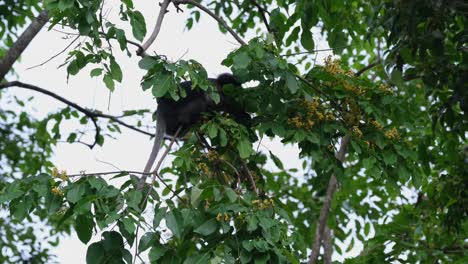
314	51
55	56
368	67
213	15
332	184
84	174
156	29
262	12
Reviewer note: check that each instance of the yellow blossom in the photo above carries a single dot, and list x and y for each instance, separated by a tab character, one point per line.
212	155
392	134
226	217
63	175
219	217
385	88
204	168
376	124
55	172
357	132
56	190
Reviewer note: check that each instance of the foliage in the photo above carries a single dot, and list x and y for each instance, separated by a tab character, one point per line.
399	92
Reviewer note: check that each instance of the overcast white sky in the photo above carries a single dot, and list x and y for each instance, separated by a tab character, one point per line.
129	152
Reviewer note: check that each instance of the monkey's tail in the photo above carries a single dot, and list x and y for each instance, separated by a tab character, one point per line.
158	139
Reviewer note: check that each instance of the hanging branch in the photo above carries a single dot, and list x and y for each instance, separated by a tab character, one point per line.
156	29
93	115
332	184
213	15
22	42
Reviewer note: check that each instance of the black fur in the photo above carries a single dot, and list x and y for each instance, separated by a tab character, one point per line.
187	111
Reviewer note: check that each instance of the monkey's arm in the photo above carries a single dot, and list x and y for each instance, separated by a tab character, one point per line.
158	139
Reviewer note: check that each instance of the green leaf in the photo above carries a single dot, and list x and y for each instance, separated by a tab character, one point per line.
84	228
115	70
158	216
207	228
147	63
245	148
291	83
134	198
307	40
163	84
109	82
137	21
195	194
390	158
242	60
76	192
65	4
146	241
157	252
232	196
174	222
95	253
129	225
96	72
276	161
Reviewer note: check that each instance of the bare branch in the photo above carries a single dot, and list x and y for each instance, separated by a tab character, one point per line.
213	15
250	176
93	115
84	174
22	42
53	57
327	246
314	51
156	29
322	222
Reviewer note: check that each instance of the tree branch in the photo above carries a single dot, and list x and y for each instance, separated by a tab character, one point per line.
213	15
90	113
262	12
22	42
327	246
368	67
156	29
332	184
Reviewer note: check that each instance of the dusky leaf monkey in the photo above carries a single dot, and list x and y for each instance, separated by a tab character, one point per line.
174	118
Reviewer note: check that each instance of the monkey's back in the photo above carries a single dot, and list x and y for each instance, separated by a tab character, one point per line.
185	112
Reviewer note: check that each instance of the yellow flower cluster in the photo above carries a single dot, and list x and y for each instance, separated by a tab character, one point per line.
266	203
56	190
376	124
222	217
353	88
61	175
300	122
385	88
312	116
392	134
204	168
357	132
333	66
212	155
353	116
